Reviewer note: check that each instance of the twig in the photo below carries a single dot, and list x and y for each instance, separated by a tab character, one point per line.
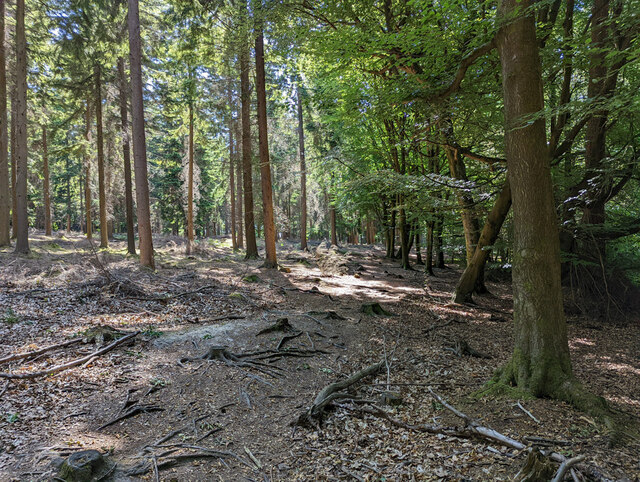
566	465
20	356
528	412
136	409
71	364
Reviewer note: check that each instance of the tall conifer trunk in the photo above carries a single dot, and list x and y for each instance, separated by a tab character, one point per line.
303	177
14	157
138	138
265	164
190	182
5	199
45	183
232	180
22	217
247	181
102	193
87	171
126	154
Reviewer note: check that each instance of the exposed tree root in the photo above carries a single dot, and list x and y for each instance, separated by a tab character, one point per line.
221	353
281	324
31	354
374	309
313	415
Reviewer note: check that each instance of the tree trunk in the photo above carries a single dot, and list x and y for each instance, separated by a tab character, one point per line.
102	193
416	234
405	246
437	242
45	183
239	190
429	266
14	157
87	170
332	221
540	362
490	231
265	164
247	181
391	235
22	221
190	183
5	199
80	190
303	178
126	151
139	140
68	183
232	168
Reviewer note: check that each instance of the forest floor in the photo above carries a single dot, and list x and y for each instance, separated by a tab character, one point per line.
188	420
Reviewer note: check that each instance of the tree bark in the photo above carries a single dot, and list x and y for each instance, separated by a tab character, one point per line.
239	194
540	362
45	183
102	194
303	177
332	221
87	171
232	168
126	151
21	159
429	265
139	140
5	197
190	182
265	163
247	181
490	231
14	157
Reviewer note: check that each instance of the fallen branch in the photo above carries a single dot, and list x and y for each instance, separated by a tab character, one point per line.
135	410
71	364
21	356
333	392
565	466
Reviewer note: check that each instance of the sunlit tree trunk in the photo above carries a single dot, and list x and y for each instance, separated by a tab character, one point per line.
5	197
540	362
489	235
245	94
138	138
45	183
303	177
87	171
22	221
102	194
265	164
126	154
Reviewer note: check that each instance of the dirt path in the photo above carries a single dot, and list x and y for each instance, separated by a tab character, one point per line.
216	298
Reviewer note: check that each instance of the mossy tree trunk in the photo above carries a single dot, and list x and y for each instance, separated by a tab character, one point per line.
540	362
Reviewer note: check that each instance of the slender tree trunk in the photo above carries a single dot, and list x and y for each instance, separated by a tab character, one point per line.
126	151
405	247
239	191
102	194
232	168
437	242
265	164
5	199
540	362
45	183
68	196
80	189
190	183
245	94
14	158
490	231
419	259
22	241
139	140
87	171
303	178
429	265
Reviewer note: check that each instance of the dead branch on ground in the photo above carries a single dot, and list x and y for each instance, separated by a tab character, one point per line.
30	354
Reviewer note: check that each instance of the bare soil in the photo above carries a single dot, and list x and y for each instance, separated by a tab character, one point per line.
242	415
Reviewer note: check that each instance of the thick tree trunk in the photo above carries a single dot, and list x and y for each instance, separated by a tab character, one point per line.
190	182
5	197
139	140
232	168
265	164
540	362
102	193
22	221
126	151
87	171
247	181
405	246
303	177
490	231
45	183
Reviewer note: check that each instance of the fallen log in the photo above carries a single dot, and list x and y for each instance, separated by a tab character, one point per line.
30	354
